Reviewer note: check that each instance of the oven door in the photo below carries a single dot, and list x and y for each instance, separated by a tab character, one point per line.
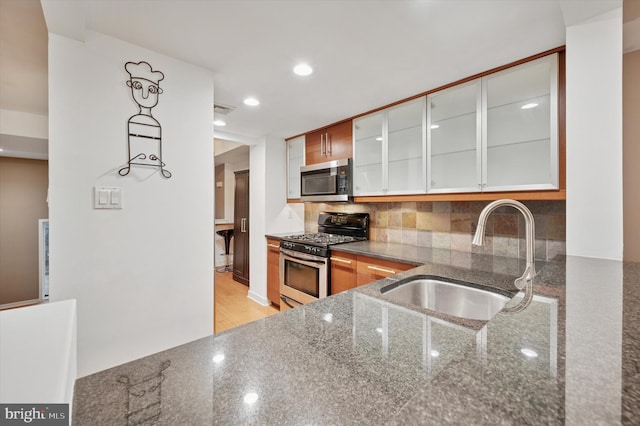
303	277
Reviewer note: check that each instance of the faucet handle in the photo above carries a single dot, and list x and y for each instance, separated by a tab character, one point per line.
527	277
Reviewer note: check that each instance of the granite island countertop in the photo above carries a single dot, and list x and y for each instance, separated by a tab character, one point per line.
572	356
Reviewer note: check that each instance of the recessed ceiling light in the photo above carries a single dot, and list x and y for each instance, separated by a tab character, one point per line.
219	123
529	106
379	138
379	330
251	102
529	353
435	353
1	149
302	69
435	126
328	317
218	358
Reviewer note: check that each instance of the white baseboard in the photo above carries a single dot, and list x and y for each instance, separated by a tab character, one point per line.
258	299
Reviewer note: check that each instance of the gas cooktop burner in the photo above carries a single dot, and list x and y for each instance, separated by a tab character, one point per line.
323	238
333	228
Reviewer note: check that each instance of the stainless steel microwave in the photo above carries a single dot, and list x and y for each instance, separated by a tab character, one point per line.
326	182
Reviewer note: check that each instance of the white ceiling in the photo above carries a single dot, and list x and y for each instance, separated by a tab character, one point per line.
365	53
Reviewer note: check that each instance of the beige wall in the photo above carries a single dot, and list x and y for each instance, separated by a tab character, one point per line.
631	154
219	191
23	194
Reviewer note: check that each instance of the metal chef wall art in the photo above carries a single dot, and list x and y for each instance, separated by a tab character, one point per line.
144	139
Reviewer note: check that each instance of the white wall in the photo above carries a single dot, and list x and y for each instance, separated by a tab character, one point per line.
142	276
38	353
258	219
594	137
269	212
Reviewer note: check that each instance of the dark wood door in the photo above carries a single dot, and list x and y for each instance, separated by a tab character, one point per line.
241	228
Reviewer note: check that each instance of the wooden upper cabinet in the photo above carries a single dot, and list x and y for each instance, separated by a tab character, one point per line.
328	144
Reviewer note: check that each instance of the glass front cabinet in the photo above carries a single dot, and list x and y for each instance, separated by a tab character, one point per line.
389	150
295	160
454	136
496	133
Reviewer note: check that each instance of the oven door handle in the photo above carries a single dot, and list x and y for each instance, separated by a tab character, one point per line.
286	301
302	258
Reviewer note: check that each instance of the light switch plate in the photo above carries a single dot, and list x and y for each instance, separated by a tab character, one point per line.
107	197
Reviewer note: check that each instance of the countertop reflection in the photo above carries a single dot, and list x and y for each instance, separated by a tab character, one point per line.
572	356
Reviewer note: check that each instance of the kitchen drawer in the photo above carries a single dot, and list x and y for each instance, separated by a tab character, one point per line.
371	269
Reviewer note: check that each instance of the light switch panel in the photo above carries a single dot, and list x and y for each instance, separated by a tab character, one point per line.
107	197
116	198
103	197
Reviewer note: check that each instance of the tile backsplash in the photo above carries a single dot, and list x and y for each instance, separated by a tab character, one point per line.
450	225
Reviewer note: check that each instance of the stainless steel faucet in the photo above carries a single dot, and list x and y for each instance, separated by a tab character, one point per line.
530	241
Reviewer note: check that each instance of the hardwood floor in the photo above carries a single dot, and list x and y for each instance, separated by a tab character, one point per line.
232	306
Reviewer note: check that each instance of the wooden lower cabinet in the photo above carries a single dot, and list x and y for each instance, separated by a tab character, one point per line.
343	271
273	271
371	269
349	270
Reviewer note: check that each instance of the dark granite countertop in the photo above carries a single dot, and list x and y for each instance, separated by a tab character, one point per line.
572	356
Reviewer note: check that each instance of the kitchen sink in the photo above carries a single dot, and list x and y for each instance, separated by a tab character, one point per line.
446	296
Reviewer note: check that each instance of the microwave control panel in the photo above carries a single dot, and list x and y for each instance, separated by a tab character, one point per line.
343	180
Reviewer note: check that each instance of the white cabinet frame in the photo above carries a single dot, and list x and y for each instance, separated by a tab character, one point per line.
553	128
482	136
294	172
385	153
479	159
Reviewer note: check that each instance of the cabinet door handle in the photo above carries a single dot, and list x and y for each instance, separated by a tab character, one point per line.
272	245
322	146
337	259
328	143
243	225
377	268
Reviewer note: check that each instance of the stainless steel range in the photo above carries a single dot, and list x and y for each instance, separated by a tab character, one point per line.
304	259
